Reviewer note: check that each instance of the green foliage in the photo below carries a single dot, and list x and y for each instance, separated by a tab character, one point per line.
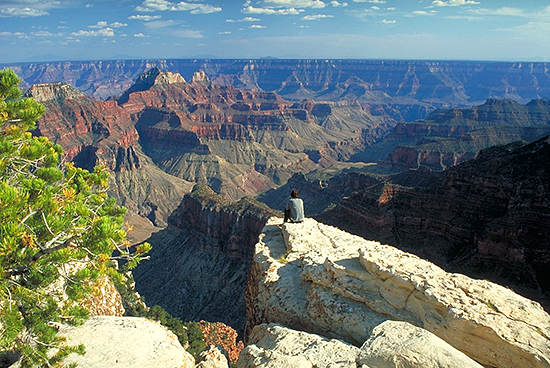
188	334
51	217
196	339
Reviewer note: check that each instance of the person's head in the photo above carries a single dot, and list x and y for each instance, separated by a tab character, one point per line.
294	194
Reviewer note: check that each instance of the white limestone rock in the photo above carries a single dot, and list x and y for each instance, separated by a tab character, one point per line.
275	346
125	342
317	278
212	358
400	344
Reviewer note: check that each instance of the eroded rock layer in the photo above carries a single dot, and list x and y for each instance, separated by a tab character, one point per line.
199	264
488	217
316	278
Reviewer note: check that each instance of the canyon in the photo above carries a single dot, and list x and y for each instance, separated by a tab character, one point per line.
188	158
404	90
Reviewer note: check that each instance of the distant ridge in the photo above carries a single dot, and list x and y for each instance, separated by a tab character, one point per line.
404	90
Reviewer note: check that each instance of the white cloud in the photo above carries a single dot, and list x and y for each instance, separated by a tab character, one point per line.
317	16
257	26
118	25
424	12
297	3
164	5
223	33
42	34
336	3
385	21
140	35
22	12
506	11
105	32
13	34
156	24
245	19
187	33
89	5
269	11
102	24
370	1
454	2
145	18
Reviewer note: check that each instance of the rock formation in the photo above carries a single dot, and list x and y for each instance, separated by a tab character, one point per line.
448	137
238	142
316	278
405	90
276	346
126	342
487	217
199	265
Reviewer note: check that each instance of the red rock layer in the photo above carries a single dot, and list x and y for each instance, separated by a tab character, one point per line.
232	229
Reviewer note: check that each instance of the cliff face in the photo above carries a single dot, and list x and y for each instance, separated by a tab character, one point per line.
242	142
451	136
402	89
393	309
229	228
238	142
91	132
488	217
103	133
199	264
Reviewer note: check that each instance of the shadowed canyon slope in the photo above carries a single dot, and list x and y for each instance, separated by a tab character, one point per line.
199	264
488	217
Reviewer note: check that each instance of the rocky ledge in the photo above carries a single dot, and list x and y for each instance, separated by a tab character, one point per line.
391	308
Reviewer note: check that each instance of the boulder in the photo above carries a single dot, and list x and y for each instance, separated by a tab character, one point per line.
400	344
316	278
125	342
213	358
275	346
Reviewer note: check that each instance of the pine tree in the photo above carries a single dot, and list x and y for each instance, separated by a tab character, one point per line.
51	216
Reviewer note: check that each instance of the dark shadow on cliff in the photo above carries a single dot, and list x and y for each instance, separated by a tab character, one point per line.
192	283
199	264
488	218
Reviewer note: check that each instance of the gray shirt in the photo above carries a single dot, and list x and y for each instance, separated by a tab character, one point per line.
296	207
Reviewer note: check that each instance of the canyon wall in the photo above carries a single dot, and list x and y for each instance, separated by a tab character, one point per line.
403	89
488	217
199	264
449	136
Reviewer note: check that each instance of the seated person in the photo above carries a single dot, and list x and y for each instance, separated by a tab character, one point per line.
294	210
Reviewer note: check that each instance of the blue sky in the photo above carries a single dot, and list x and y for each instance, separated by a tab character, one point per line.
39	30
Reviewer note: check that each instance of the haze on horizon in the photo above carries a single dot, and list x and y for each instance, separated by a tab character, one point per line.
492	30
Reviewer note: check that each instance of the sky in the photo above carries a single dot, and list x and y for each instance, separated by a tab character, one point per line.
492	30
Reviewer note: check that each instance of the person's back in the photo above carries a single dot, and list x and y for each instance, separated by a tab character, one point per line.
294	210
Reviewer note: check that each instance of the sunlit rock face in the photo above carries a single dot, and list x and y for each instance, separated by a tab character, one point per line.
405	90
316	278
126	342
